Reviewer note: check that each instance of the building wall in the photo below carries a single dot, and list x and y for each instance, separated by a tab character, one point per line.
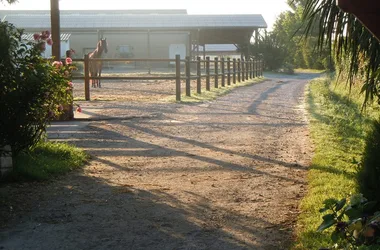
138	41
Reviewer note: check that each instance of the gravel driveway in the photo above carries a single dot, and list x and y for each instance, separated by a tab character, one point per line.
225	174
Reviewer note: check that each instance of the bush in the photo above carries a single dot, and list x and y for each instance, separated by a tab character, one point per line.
355	224
32	89
369	177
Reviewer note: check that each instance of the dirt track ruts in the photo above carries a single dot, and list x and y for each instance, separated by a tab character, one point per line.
226	174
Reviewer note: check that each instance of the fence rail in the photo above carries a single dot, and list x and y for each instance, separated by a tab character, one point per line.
230	72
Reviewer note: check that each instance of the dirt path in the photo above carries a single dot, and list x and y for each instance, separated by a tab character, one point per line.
226	174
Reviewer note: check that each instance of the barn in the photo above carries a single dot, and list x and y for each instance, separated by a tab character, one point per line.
142	33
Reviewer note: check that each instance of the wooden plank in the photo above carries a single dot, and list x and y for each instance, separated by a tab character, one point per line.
178	77
86	78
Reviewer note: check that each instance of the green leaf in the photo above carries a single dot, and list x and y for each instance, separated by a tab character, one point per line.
353	213
369	206
326	224
335	236
340	204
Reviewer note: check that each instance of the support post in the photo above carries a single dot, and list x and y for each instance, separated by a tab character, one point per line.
239	69
208	73
251	69
216	83
199	86
234	70
55	29
178	77
242	70
149	53
223	72
86	77
188	59
228	71
247	69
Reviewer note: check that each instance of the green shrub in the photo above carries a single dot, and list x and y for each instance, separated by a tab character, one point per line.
369	177
33	90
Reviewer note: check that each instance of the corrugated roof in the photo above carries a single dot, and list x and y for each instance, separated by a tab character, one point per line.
29	36
115	20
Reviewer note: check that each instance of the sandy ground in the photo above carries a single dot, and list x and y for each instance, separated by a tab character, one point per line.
225	174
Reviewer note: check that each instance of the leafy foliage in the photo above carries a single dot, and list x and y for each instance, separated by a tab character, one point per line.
354	222
32	89
343	34
370	173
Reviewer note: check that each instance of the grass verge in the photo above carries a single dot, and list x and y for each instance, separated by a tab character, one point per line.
338	129
213	93
47	160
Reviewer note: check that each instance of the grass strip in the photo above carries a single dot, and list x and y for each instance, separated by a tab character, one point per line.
338	130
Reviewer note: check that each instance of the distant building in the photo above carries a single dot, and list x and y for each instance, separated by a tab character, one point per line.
142	33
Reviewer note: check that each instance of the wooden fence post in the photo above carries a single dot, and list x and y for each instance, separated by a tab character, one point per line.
247	70
238	68
242	70
86	77
188	76
251	68
262	67
216	85
208	73
228	71
178	77
223	72
234	70
256	68
199	86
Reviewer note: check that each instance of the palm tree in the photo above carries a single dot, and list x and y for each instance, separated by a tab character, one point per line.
348	39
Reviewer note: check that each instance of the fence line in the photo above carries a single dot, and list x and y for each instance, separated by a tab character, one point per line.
241	70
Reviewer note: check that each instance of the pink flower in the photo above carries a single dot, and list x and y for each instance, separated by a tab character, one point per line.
49	41
70	84
45	34
79	109
36	36
69	61
57	64
42	46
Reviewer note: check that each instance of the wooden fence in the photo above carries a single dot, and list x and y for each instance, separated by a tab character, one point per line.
227	70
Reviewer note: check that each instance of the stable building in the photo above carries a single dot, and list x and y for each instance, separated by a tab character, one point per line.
142	33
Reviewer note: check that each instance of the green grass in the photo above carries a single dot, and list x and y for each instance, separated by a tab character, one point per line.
213	93
338	131
314	71
47	160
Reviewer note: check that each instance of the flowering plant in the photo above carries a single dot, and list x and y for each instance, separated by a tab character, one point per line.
33	90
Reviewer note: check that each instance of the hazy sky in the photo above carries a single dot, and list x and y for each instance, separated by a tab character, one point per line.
268	8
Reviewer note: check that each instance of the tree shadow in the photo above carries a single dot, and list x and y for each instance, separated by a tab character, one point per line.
82	212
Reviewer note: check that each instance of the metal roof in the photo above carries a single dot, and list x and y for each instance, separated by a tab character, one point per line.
29	36
210	29
116	20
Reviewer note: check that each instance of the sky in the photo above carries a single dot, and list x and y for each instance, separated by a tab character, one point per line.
270	9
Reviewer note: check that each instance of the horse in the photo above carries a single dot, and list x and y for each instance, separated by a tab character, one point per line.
96	66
